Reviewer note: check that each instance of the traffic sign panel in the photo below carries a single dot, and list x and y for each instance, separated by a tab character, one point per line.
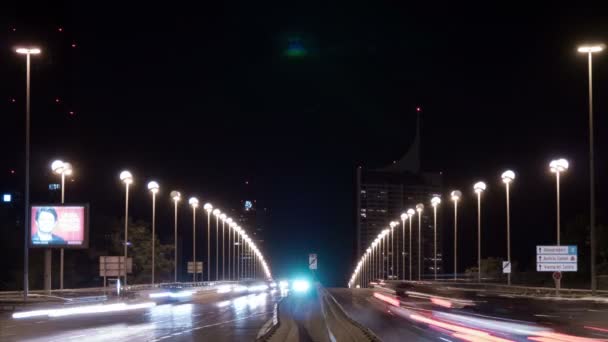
556	267
556	258
312	261
506	267
568	250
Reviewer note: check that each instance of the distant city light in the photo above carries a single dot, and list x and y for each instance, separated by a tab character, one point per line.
54	186
7	198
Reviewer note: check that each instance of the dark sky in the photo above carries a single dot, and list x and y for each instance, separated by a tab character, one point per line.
204	96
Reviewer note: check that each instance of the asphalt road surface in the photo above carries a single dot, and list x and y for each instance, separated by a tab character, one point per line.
492	319
207	317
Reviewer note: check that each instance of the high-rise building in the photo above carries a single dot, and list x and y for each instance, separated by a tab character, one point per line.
382	194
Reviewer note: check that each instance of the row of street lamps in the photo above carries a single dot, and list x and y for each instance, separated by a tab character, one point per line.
244	257
372	264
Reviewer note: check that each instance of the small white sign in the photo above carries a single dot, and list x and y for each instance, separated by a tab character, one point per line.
312	261
506	267
556	258
556	267
556	250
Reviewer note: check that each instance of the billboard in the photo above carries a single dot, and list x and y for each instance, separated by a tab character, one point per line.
59	226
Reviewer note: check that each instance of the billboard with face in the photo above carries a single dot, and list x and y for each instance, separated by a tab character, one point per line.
59	226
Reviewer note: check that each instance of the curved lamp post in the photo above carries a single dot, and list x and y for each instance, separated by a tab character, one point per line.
403	217
419	209
410	212
153	187
590	50
393	224
208	208
479	187
435	201
176	197
64	169
508	177
193	201
455	195
127	178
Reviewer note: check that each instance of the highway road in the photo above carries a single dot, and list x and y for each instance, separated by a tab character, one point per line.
489	319
206	317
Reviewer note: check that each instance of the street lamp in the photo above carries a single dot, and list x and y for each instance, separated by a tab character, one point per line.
479	187
208	208
153	187
193	201
558	166
508	177
64	169
410	212
176	197
27	52
231	225
435	201
404	217
238	252
368	268
223	218
393	224
590	50
127	178
455	195
217	213
419	209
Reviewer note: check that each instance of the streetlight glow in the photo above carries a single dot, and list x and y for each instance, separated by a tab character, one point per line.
153	187
176	196
508	176
591	48
479	187
559	165
193	201
28	51
435	201
455	195
126	177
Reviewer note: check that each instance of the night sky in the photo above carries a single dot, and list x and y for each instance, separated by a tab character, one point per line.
292	97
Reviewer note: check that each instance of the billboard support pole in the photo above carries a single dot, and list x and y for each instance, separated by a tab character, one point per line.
61	252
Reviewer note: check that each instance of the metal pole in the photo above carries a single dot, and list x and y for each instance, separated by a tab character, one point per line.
208	245
153	232
194	245
420	246
223	250
479	237
508	235
61	251
238	260
409	252
558	214
392	253
403	249
435	238
592	182
455	239
26	228
126	229
175	246
217	246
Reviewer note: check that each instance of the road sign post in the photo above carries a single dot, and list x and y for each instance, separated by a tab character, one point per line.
557	259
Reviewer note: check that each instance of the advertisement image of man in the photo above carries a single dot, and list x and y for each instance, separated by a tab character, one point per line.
46	221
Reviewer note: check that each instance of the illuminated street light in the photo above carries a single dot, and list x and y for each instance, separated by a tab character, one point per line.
479	187
435	201
590	50
403	217
47	255
127	178
223	217
455	195
153	187
217	213
64	169
419	209
176	197
410	212
208	208
508	177
393	224
193	201
558	166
